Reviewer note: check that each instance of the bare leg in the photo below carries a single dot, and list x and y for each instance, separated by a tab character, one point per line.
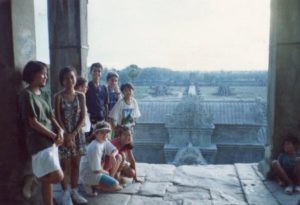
279	171
66	166
127	171
75	171
297	172
53	177
108	189
115	166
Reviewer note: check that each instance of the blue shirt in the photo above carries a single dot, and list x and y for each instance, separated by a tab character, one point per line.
113	98
96	101
288	162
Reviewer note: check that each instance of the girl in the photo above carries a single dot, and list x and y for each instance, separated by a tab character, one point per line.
38	121
70	114
81	86
124	146
92	173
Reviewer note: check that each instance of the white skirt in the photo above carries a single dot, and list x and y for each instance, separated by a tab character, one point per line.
45	161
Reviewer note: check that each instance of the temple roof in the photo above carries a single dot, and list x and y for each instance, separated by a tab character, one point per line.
228	112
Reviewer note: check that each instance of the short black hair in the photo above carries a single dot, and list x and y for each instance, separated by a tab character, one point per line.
80	81
96	65
31	69
126	85
111	74
292	139
64	71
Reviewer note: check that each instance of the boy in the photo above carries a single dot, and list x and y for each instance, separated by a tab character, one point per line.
96	96
92	175
126	110
113	89
287	166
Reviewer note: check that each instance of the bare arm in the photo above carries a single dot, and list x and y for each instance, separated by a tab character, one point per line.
40	128
57	109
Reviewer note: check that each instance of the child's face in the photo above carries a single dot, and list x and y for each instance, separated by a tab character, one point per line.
127	92
82	88
96	73
101	136
112	82
289	147
69	80
40	78
126	137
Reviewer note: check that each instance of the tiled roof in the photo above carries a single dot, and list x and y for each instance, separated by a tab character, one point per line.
226	112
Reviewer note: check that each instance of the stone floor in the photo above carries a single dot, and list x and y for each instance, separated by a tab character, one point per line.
238	184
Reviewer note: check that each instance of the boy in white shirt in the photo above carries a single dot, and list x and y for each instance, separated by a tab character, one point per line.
92	175
126	110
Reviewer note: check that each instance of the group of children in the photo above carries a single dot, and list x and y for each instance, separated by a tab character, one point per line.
83	112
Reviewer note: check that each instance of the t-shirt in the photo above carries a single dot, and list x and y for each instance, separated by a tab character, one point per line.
288	162
38	106
92	160
117	143
112	98
125	114
96	101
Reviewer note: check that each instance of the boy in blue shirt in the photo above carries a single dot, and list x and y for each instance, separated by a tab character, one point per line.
97	96
287	166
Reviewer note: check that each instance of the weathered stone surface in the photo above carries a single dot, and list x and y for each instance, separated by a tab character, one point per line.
256	193
139	200
131	188
197	202
161	173
279	195
109	199
246	171
142	169
225	197
154	189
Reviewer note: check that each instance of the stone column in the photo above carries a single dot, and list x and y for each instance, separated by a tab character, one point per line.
284	74
17	46
67	37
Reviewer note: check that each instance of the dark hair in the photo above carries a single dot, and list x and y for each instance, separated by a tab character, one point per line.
80	82
31	69
292	139
126	85
64	71
111	74
96	65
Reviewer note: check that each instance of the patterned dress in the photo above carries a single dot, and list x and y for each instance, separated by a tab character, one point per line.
70	114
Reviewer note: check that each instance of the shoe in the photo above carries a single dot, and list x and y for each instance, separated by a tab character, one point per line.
77	198
29	187
66	199
289	189
297	188
89	191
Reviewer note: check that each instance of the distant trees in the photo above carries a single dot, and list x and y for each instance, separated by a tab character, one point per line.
161	76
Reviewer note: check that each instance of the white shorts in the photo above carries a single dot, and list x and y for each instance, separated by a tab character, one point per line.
45	161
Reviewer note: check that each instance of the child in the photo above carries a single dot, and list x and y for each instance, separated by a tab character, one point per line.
113	89
124	146
96	96
70	114
92	175
81	86
38	121
126	110
287	166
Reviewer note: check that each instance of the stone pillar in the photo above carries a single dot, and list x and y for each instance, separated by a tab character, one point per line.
17	46
67	37
284	74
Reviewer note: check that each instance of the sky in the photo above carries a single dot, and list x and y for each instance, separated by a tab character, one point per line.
201	35
180	34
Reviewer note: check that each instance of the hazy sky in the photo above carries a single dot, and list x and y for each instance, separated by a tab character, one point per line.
180	34
177	34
